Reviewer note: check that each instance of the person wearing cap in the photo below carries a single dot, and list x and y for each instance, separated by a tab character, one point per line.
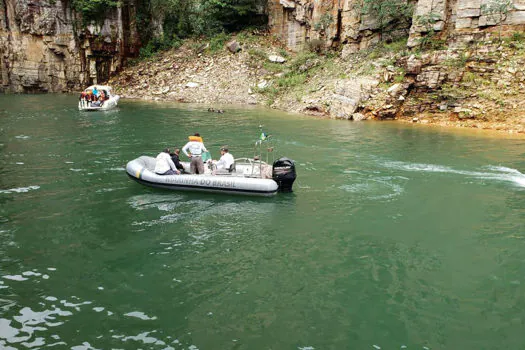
226	160
164	165
193	149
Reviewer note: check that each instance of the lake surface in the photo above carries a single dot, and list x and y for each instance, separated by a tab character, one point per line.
396	235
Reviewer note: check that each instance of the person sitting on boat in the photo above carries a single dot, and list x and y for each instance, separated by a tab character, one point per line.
95	91
164	165
92	97
195	147
224	164
176	160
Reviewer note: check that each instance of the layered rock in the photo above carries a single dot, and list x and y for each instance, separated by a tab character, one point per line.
43	47
298	22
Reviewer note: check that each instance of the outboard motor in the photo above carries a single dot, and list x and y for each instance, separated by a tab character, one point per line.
284	173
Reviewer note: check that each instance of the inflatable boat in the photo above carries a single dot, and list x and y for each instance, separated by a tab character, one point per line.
247	177
97	98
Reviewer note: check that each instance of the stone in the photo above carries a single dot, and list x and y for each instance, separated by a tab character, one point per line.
413	65
289	4
262	84
395	89
276	59
358	117
233	46
191	85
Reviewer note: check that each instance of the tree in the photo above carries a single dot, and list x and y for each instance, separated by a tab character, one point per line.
93	10
497	10
427	22
387	11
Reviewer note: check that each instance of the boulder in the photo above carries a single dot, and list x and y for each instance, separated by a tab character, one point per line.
358	117
233	46
276	59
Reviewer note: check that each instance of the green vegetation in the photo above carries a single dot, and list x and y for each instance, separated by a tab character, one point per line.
324	22
497	11
387	12
293	75
182	19
429	40
93	10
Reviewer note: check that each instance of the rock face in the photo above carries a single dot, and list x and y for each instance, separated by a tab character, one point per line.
341	22
44	49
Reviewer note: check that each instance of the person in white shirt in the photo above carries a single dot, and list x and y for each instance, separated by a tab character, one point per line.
164	165
225	162
194	149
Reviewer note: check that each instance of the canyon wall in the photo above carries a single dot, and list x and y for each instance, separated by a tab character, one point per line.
335	22
45	48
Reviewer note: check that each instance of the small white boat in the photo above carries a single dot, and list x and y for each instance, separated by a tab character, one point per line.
247	176
104	99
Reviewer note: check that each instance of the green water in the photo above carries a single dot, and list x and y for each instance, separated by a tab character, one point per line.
396	236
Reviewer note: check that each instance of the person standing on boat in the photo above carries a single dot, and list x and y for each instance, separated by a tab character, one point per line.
226	160
195	148
176	160
164	165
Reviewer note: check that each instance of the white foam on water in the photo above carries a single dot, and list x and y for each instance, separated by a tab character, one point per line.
56	344
494	173
37	342
84	346
98	309
22	137
104	190
76	306
15	277
76	170
140	315
163	203
379	188
6	331
117	169
31	273
20	189
145	338
52	268
19	163
31	322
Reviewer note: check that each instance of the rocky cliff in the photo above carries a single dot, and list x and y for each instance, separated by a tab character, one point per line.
45	48
342	22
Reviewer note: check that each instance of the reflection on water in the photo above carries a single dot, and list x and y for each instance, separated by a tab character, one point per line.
395	237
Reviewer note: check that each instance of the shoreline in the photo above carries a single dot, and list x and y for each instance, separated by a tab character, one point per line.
355	89
498	130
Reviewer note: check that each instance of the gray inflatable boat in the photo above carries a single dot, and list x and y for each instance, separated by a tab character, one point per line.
247	177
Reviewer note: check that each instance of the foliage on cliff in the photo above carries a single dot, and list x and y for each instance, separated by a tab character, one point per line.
93	9
180	19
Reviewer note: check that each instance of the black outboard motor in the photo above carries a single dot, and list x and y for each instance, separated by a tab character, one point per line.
284	173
